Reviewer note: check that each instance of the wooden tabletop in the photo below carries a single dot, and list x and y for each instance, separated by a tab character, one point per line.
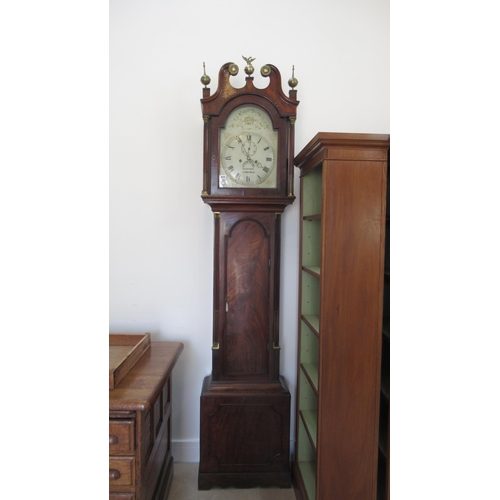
143	382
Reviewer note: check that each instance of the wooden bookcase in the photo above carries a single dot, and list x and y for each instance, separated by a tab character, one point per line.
343	214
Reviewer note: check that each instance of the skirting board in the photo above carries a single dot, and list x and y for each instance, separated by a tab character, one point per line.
188	451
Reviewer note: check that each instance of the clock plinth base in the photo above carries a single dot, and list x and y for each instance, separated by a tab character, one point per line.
244	435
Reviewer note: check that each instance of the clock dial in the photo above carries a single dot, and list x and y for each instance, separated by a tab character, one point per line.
248	159
248	150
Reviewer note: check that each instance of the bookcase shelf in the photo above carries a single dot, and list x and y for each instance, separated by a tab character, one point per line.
306	462
311	372
342	223
313	270
310	420
312	322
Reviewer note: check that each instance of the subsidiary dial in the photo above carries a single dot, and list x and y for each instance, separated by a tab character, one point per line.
248	159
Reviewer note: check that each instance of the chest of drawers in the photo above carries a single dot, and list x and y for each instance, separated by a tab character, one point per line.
140	411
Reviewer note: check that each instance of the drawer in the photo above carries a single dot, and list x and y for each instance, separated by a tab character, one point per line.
121	473
122	496
121	437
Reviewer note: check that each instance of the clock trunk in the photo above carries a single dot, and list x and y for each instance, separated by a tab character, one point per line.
247	296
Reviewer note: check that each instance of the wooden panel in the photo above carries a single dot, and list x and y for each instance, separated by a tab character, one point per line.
241	425
121	437
147	436
245	430
166	396
247	335
165	480
157	414
160	453
351	327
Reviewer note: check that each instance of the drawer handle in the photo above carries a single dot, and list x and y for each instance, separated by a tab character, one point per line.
113	439
114	474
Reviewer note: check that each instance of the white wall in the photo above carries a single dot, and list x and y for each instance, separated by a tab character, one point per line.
161	232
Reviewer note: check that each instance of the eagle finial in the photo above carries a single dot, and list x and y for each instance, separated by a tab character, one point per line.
249	69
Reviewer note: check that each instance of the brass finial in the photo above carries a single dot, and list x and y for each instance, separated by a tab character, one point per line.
205	79
233	69
249	69
293	82
265	70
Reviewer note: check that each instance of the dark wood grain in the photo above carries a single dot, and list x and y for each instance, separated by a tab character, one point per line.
247	286
247	299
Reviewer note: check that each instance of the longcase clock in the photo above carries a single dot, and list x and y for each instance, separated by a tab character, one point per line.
248	182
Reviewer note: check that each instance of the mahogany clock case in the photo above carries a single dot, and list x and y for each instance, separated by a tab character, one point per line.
244	404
